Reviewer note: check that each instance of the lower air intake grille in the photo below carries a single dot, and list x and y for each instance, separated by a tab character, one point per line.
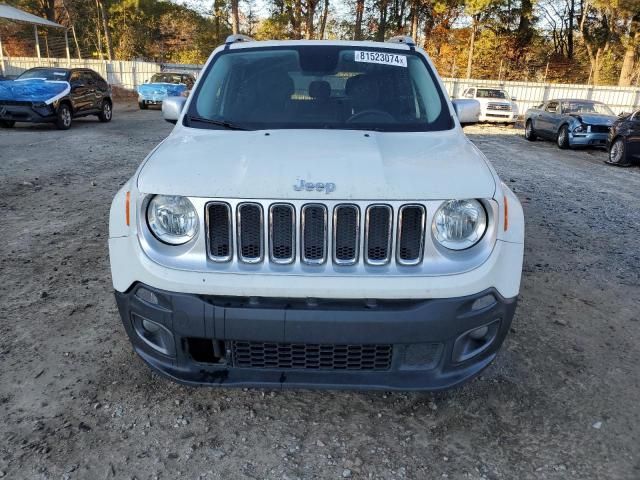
220	241
310	356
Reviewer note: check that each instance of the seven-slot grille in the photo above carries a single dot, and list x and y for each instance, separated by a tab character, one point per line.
313	235
245	354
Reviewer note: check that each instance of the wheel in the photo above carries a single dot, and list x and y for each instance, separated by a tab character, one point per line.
618	153
563	137
143	106
7	123
107	112
63	120
529	132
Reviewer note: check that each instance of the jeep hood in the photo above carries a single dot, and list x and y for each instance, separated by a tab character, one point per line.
362	165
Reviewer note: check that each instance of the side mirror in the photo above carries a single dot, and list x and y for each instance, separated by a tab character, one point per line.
467	111
172	108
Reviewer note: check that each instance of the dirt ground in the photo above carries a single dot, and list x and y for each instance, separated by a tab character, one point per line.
560	402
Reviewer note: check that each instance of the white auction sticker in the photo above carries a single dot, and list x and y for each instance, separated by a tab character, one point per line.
381	58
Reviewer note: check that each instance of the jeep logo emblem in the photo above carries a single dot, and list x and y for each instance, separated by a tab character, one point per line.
327	187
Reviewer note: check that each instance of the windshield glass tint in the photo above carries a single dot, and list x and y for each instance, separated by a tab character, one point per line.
46	73
320	87
490	93
586	107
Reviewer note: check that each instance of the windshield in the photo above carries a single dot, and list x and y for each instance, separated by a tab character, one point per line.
166	78
491	93
46	73
319	87
586	107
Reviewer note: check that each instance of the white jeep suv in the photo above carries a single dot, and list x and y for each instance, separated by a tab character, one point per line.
495	104
317	218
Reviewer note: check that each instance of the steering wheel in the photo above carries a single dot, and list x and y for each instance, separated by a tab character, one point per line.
388	118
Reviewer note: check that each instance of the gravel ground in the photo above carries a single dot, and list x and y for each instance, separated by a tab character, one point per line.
560	402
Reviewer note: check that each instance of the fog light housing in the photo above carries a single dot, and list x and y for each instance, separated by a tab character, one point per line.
154	335
475	341
479	333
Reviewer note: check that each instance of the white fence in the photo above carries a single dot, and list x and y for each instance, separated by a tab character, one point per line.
530	94
120	73
129	75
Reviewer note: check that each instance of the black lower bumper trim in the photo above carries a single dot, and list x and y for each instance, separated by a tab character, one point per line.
432	344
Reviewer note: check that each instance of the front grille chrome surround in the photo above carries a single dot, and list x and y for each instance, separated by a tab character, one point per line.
219	227
251	233
410	236
282	233
346	234
313	234
378	234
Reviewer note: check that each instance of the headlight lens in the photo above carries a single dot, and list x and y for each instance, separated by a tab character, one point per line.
579	129
172	219
459	224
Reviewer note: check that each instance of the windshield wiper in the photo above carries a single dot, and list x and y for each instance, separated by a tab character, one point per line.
219	123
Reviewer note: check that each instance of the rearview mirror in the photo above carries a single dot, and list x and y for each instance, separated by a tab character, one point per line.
172	108
467	111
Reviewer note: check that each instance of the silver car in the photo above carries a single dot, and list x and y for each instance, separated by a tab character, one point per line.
570	122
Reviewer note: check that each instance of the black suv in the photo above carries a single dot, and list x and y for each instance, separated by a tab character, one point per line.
89	94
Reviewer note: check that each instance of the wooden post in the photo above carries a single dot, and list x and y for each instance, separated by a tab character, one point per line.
66	46
35	31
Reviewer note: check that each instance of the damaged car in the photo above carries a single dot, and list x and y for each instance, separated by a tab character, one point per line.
54	95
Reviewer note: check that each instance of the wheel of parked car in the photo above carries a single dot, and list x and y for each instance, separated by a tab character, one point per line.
107	112
618	153
143	106
63	119
7	123
529	132
563	137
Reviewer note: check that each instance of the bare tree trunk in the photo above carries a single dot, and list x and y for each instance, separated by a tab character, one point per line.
357	33
323	19
235	17
472	44
572	14
629	61
296	21
311	11
48	8
414	19
105	25
382	23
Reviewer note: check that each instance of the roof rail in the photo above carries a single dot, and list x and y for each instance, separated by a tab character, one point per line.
402	39
236	38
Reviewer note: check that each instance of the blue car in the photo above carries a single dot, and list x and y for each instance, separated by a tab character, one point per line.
570	122
163	85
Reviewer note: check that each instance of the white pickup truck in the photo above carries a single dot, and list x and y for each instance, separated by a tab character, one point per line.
317	218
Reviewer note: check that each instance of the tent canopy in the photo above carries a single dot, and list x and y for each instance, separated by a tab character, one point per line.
15	14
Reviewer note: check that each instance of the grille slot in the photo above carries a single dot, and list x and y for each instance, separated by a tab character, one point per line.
411	226
250	232
346	234
282	233
314	234
307	356
219	228
378	234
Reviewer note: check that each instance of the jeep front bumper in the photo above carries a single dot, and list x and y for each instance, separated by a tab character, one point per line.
296	343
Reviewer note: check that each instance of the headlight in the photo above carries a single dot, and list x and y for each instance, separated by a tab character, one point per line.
172	219
579	129
459	224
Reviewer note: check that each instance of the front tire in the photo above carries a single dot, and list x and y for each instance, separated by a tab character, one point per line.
529	132
7	123
142	105
618	153
63	119
106	112
563	138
